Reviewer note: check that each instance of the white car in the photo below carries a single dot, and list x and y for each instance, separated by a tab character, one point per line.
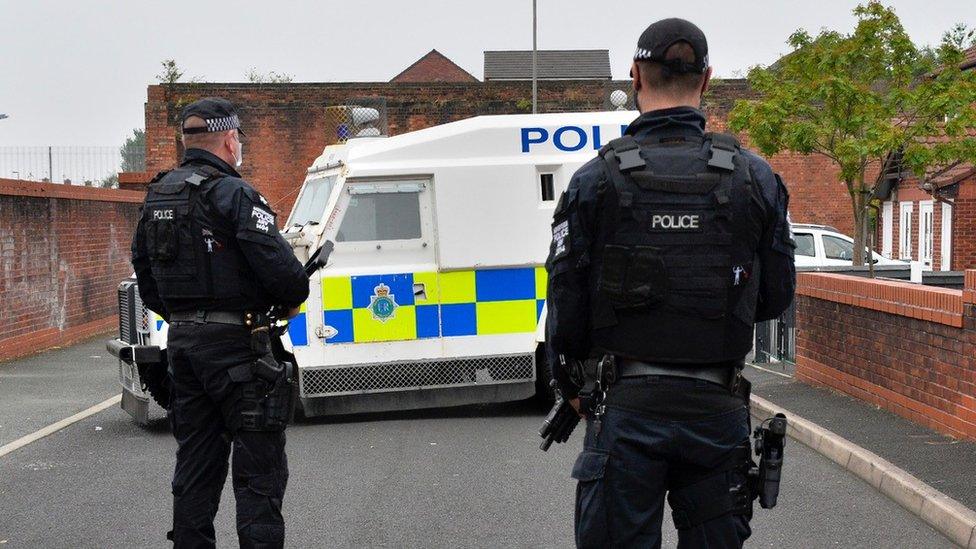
823	246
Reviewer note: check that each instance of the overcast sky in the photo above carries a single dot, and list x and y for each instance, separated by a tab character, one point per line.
74	72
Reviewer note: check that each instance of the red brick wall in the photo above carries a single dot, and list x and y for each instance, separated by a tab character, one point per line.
287	130
63	252
909	349
964	233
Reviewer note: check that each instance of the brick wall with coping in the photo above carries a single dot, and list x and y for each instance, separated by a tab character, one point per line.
906	348
63	252
287	130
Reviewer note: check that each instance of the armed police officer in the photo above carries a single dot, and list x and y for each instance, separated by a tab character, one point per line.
209	258
666	250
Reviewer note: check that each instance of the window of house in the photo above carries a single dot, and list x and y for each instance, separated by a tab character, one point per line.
926	232
905	230
945	245
887	228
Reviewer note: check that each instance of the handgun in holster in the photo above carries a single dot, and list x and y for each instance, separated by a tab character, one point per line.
764	478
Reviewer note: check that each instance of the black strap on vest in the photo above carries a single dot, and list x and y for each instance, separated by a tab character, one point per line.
202	174
723	149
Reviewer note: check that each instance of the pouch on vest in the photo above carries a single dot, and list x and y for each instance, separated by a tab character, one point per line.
633	277
162	240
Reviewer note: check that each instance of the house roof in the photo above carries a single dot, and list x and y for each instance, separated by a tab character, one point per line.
550	65
969	59
434	67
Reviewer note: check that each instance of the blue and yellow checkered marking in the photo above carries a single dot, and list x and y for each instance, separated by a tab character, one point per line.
451	304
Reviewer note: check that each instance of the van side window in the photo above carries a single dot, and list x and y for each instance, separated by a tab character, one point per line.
381	216
804	244
547	186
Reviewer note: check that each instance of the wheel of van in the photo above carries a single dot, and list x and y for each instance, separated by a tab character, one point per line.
545	394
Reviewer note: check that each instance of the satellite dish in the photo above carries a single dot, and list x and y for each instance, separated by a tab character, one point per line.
618	99
364	115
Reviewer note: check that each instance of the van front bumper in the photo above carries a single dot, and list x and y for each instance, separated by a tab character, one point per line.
129	353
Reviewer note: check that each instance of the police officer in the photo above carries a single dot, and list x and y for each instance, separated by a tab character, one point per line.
209	258
667	248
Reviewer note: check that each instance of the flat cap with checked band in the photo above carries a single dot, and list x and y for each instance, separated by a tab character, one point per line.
219	114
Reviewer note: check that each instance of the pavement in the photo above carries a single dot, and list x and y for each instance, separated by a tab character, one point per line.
461	477
942	462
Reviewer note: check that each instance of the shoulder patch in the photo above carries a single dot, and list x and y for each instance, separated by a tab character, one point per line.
261	220
561	243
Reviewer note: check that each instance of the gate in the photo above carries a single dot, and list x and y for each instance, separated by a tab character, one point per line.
776	339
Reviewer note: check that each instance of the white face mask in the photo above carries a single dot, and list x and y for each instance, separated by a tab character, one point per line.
239	157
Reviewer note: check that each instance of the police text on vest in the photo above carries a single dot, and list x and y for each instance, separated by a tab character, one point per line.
675	222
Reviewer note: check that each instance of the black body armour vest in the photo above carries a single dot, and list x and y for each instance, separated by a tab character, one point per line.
676	275
193	252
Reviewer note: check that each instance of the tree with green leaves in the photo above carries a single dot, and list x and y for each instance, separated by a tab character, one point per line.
172	73
133	152
858	98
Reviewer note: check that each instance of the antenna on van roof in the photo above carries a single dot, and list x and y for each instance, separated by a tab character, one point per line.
364	117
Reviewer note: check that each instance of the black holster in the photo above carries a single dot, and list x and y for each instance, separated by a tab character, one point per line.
267	393
599	373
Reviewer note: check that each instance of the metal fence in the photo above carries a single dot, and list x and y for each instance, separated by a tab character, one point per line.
93	166
776	339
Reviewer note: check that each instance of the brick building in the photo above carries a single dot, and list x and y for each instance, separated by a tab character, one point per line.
287	124
932	221
434	67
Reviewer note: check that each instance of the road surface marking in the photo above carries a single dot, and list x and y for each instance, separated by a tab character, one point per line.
781	374
55	427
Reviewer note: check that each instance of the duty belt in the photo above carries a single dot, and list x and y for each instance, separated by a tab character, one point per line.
235	318
726	375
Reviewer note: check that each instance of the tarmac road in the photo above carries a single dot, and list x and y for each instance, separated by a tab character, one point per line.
468	477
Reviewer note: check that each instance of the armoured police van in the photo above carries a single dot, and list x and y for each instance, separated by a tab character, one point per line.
434	294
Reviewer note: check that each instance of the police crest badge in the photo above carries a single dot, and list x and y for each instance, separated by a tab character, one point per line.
382	303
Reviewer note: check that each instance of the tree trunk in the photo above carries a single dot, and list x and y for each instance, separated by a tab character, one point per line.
860	227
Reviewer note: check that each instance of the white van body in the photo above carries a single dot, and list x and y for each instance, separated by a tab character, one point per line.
435	292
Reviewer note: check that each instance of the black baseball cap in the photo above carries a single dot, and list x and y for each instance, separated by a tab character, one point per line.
657	38
219	114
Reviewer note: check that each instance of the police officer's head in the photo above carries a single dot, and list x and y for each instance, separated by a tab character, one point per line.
670	66
212	124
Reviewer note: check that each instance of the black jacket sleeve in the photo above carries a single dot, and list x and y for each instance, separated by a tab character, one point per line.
568	268
144	278
778	274
271	258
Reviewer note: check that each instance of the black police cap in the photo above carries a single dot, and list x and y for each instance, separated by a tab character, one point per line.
219	115
657	38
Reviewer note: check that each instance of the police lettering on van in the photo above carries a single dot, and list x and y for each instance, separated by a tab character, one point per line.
567	138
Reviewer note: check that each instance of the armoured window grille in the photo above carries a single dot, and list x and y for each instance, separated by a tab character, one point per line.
380	378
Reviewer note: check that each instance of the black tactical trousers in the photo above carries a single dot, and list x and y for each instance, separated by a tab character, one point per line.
637	456
204	401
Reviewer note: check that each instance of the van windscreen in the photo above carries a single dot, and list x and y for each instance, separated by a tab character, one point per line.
315	197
